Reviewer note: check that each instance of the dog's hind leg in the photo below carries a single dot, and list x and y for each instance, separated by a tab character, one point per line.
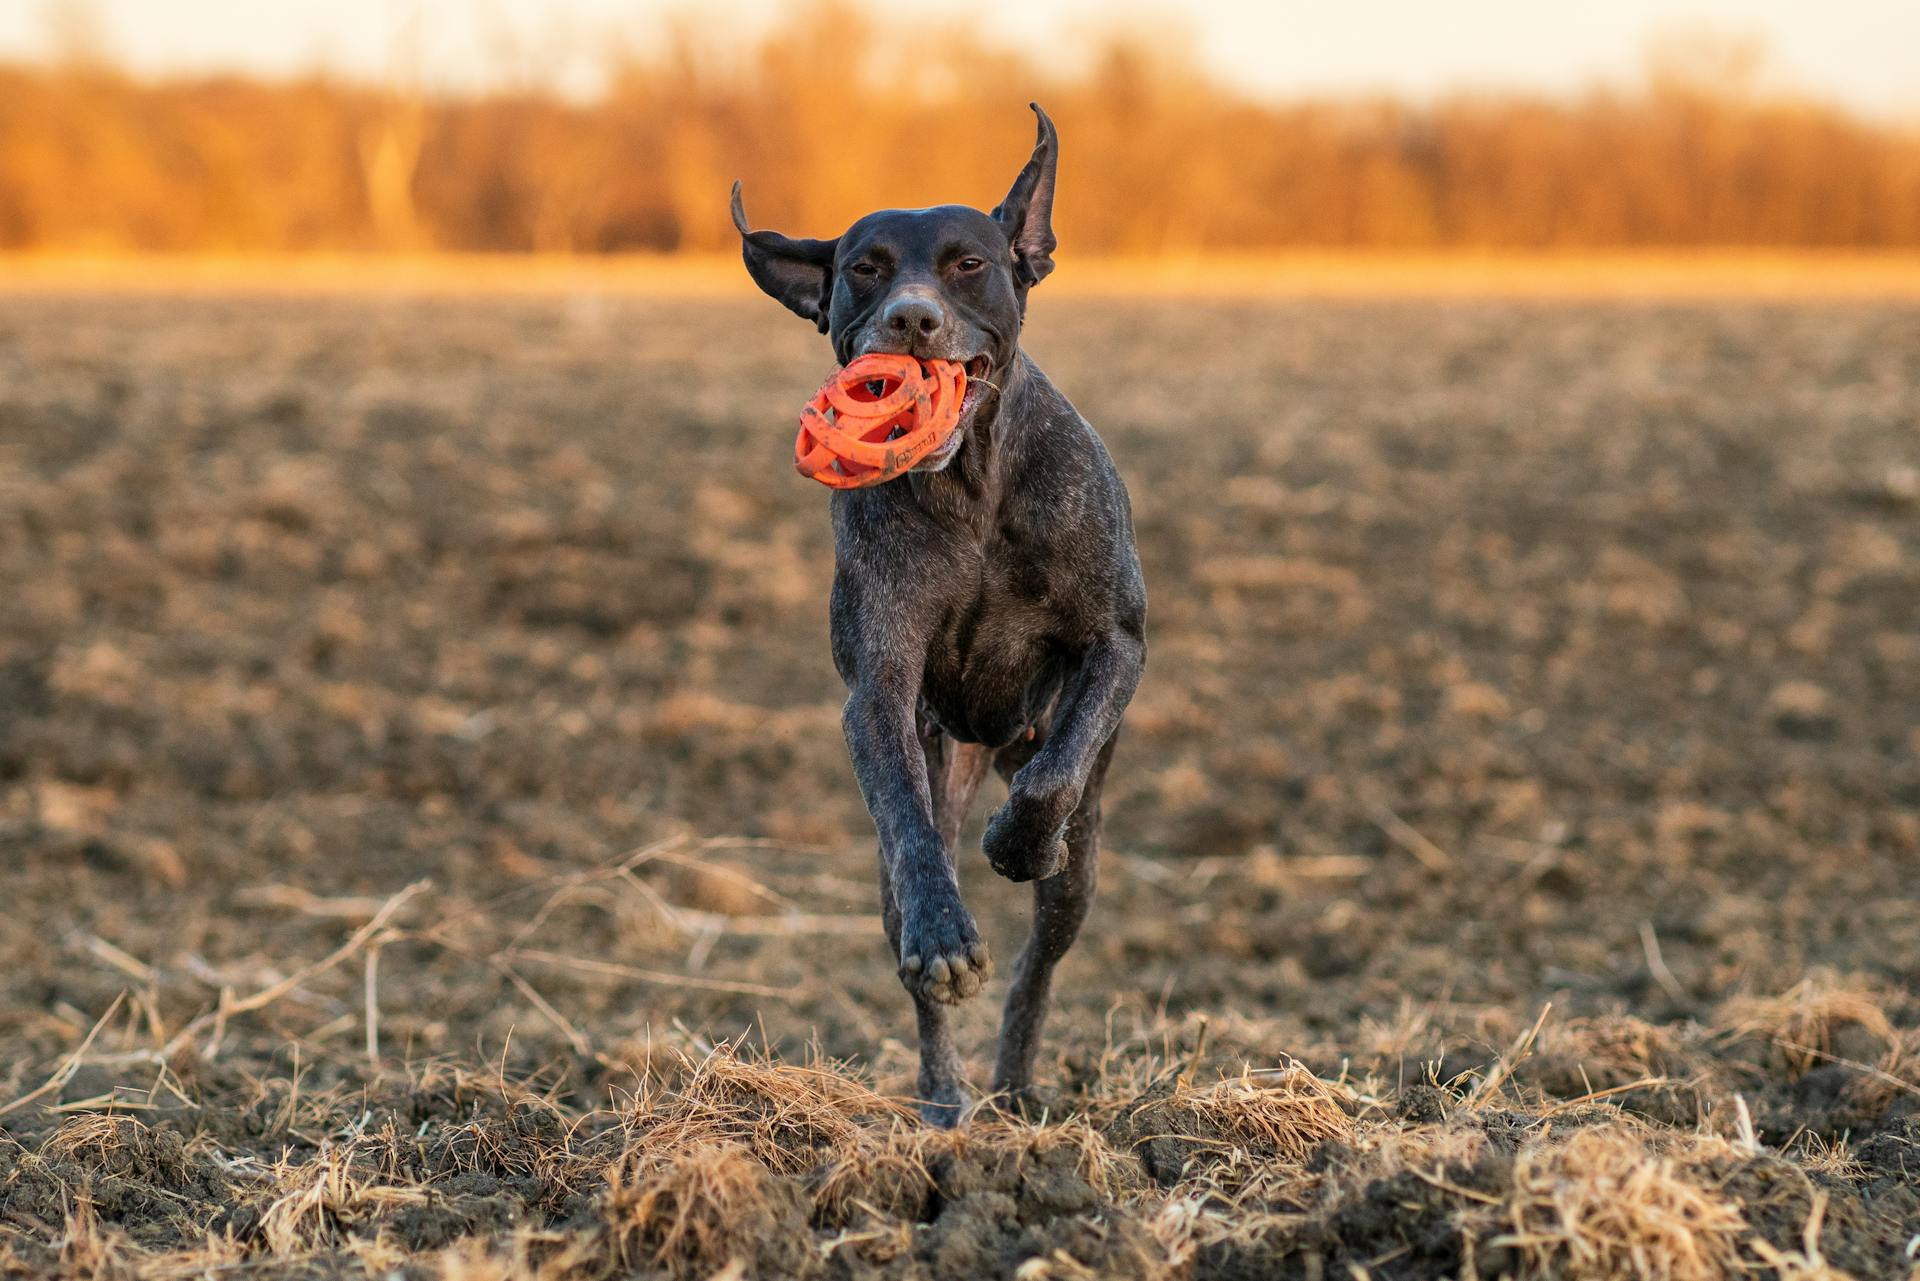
954	771
1060	904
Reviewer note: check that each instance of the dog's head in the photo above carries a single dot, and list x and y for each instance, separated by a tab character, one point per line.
947	283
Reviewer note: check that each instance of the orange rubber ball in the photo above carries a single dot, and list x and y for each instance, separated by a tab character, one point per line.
876	417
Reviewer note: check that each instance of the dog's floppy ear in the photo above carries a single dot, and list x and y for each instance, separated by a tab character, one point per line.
799	273
1026	215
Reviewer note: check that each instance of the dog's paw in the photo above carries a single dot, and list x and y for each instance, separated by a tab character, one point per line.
942	957
1026	837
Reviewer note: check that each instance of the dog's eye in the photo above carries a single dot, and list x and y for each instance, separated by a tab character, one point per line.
970	264
864	270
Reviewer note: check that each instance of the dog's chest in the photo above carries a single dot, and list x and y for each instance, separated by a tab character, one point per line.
995	663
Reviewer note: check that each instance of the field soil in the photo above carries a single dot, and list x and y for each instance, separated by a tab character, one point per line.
429	848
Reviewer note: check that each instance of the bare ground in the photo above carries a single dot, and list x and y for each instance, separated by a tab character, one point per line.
1513	847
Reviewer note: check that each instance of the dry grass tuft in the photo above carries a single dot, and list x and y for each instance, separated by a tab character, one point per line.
698	1211
1256	1127
787	1116
1073	1147
321	1201
1604	1204
1613	1049
472	1261
1288	1113
102	1143
1807	1021
90	1251
1379	1151
882	1179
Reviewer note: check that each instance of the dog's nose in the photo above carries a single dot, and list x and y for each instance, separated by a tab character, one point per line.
913	316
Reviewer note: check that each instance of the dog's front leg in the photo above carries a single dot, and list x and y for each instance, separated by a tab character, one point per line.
941	956
1025	837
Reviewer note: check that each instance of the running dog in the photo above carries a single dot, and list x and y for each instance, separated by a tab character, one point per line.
987	608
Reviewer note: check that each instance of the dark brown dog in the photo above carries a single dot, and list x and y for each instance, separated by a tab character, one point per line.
987	607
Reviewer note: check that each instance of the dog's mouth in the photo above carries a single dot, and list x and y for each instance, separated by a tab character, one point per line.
977	370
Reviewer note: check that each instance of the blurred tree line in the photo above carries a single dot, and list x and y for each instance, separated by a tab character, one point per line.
837	112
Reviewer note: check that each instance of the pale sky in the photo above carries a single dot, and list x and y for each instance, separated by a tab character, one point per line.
1865	53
